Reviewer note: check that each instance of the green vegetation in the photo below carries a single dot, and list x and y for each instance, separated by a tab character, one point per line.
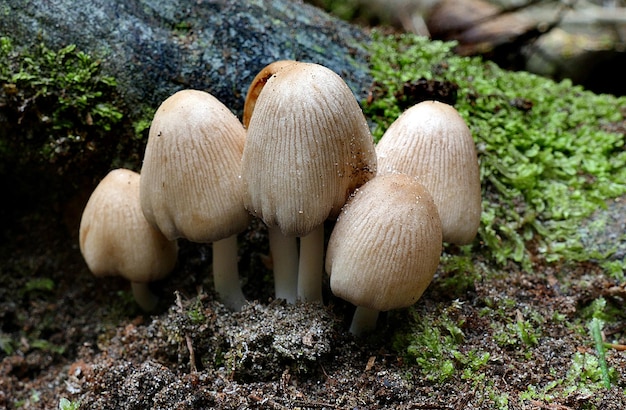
595	328
57	104
547	154
65	404
435	345
584	377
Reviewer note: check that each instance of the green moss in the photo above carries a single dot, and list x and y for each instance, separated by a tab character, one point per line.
584	377
435	342
548	158
61	116
55	100
458	273
65	404
519	334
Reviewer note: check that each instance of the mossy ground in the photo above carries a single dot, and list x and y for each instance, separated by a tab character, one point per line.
524	318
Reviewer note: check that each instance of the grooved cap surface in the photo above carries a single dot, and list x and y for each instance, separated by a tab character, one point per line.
308	147
432	142
190	176
386	244
116	239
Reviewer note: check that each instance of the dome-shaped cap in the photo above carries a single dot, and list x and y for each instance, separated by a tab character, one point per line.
308	147
386	244
190	184
116	239
431	142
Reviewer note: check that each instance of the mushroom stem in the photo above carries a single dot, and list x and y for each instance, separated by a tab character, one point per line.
144	296
363	321
311	266
226	273
284	252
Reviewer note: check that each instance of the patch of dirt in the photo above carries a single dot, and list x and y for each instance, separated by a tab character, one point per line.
67	334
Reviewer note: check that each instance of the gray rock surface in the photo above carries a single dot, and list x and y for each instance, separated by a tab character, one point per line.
605	231
156	47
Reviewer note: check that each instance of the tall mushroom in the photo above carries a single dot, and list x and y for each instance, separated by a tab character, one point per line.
308	147
116	239
190	185
257	84
283	249
385	247
432	142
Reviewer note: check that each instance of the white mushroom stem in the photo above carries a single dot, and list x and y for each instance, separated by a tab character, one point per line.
311	266
144	296
363	321
284	252
226	273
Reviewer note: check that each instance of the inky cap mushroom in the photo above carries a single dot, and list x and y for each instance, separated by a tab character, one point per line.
190	185
432	142
385	247
308	147
116	239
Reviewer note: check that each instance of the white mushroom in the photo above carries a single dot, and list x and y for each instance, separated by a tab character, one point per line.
308	147
385	247
432	142
190	184
116	239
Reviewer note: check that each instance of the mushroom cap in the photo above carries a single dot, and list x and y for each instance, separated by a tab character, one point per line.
116	239
308	147
385	247
432	142
190	185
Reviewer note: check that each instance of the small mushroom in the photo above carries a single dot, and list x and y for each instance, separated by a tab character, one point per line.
385	247
308	147
116	239
432	142
190	185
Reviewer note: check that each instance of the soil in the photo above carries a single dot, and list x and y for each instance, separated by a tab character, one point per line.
67	334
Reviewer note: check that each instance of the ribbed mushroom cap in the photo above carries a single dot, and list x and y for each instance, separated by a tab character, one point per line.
116	239
432	142
308	147
190	176
386	244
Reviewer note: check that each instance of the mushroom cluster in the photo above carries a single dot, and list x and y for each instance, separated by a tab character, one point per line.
426	191
303	155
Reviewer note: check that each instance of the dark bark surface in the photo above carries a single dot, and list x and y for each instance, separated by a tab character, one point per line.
154	48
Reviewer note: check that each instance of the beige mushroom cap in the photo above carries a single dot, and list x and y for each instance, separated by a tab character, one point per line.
385	247
432	142
116	239
308	147
190	176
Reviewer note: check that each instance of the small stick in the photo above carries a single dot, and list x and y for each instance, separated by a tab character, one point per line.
192	355
615	346
266	402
